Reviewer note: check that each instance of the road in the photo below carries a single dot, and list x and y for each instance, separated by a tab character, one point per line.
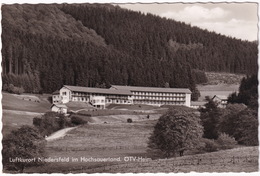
59	134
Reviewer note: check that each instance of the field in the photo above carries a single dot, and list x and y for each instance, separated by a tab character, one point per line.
219	89
14	119
20	110
124	140
99	141
30	102
220	84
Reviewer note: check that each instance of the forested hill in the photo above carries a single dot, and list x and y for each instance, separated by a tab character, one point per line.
47	46
149	36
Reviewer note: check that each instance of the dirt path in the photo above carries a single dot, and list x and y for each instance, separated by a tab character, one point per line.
59	134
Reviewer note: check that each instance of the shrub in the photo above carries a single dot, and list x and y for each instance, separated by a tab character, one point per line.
76	120
37	121
50	122
12	89
18	90
210	145
129	120
225	141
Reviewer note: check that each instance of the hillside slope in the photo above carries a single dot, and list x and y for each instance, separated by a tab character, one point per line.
155	38
47	20
53	45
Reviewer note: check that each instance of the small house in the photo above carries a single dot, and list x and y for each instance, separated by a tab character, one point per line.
56	99
221	100
59	108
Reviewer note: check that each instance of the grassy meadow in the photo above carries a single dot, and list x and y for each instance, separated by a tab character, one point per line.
120	140
99	141
26	102
219	89
20	110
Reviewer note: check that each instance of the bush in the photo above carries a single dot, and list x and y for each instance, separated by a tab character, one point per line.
18	90
12	89
37	121
225	141
129	120
76	120
51	122
210	145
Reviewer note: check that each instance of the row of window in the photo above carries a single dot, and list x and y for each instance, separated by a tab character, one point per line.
159	98
158	94
83	99
55	96
159	102
135	93
96	94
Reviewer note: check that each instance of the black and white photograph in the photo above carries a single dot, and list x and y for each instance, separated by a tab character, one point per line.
129	87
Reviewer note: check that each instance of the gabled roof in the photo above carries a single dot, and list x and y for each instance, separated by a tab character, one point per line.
151	89
59	105
56	92
98	90
221	97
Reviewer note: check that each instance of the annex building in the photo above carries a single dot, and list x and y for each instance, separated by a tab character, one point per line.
100	97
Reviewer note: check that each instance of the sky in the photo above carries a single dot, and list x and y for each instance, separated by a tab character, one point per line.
237	20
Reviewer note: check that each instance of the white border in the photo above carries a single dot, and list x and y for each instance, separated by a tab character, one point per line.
124	1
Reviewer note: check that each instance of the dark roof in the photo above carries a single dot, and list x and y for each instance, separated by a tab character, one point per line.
221	97
56	92
98	90
152	89
59	105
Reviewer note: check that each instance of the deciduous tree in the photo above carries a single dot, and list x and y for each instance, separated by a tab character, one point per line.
24	143
179	129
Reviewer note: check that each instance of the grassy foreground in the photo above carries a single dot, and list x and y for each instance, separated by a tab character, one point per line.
123	141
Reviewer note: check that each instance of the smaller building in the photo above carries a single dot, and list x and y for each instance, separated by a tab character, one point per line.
59	108
197	104
56	98
221	100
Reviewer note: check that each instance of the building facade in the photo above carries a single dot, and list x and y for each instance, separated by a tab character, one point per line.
158	96
99	97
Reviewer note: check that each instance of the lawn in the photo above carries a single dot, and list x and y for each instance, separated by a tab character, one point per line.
98	141
12	120
220	89
26	102
124	140
20	110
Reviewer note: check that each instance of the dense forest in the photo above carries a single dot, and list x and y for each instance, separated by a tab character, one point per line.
47	46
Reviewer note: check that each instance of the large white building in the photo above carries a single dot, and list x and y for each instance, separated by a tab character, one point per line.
100	97
157	96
